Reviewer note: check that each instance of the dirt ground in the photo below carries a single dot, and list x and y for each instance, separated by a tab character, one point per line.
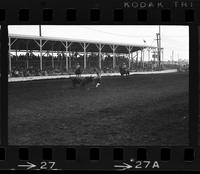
134	111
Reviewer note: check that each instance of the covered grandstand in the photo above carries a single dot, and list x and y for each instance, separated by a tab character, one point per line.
39	55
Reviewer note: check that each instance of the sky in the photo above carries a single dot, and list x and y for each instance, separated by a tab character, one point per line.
173	38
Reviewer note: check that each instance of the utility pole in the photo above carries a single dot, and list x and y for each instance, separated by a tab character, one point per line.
158	39
160	45
157	55
172	56
40	31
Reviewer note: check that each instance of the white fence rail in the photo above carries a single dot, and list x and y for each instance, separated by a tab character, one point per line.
31	78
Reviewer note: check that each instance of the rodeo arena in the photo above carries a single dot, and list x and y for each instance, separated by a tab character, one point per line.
80	92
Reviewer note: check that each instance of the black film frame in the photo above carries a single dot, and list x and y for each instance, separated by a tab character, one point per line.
113	12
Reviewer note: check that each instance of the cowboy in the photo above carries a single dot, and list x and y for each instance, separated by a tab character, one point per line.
78	70
124	66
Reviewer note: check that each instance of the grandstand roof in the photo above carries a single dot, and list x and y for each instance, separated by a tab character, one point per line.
24	42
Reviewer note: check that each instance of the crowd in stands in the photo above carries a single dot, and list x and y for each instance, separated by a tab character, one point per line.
29	65
24	65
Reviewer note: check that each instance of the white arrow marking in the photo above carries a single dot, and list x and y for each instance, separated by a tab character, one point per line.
29	165
124	167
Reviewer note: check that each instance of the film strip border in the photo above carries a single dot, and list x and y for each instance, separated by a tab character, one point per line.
115	12
99	158
94	15
100	12
47	15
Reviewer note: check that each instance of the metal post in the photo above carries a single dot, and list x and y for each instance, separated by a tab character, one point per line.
41	54
10	63
67	65
70	65
40	31
141	60
163	56
129	48
52	59
61	57
27	63
100	56
148	55
132	59
114	58
129	62
27	56
137	61
160	47
85	59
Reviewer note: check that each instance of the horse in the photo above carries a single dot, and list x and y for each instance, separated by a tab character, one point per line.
83	81
124	71
78	72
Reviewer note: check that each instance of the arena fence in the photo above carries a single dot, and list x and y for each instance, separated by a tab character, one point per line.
20	79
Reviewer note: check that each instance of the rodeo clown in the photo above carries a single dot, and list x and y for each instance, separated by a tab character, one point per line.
97	78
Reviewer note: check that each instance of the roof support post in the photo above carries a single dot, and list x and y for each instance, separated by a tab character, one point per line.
70	63
41	54
129	48
131	60
67	45
154	54
84	46
137	61
114	47
100	47
100	56
61	61
52	58
27	57
148	58
162	57
10	43
114	59
143	59
66	64
9	56
85	56
40	46
148	55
